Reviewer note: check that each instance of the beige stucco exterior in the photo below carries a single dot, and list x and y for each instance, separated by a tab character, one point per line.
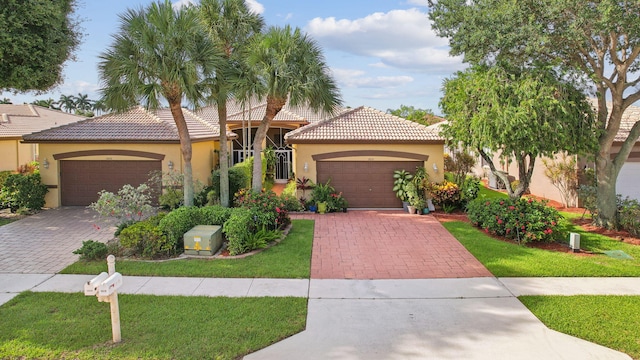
303	154
201	162
15	154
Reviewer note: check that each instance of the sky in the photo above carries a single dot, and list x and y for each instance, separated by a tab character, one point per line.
382	53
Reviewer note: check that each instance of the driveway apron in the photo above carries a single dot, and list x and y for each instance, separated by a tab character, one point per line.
367	244
44	243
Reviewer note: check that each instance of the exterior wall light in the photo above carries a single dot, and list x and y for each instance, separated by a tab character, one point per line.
306	167
435	168
45	163
170	165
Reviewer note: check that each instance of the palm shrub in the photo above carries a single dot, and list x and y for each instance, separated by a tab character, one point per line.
521	219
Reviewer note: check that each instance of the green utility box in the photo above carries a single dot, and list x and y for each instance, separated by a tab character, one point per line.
203	240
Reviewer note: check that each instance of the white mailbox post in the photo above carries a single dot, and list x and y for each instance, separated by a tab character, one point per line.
104	287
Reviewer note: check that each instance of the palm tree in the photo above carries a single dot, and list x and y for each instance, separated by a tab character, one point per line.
160	53
67	102
291	68
82	102
231	25
49	103
98	107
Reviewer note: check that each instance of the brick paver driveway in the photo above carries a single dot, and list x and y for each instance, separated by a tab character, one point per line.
43	243
387	245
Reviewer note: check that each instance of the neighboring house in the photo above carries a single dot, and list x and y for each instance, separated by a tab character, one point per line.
19	120
358	150
107	152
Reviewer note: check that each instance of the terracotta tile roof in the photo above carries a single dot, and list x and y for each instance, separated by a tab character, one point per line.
235	113
135	125
364	125
629	117
19	120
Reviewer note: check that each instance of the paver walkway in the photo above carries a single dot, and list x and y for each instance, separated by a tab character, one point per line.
387	245
44	243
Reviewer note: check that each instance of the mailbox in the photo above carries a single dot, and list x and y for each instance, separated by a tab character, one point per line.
91	287
110	284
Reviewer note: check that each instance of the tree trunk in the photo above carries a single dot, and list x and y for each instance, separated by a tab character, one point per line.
606	177
224	155
185	147
274	105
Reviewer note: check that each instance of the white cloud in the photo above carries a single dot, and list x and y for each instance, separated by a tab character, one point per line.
399	38
180	3
379	64
255	6
356	79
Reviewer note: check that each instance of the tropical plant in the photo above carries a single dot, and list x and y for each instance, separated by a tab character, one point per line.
597	41
92	250
82	102
67	102
322	192
49	104
290	68
161	52
401	179
513	112
231	25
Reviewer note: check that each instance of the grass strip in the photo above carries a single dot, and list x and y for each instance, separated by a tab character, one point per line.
290	259
611	321
505	259
74	326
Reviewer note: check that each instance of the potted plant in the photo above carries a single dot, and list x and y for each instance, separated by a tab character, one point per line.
321	194
419	204
401	179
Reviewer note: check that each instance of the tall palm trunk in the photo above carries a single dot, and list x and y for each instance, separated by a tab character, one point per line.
274	105
224	155
185	147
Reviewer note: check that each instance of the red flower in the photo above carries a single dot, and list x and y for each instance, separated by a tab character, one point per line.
512	207
500	221
501	202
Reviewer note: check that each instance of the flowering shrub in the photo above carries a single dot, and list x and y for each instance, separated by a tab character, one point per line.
523	219
336	202
268	208
446	195
629	216
129	204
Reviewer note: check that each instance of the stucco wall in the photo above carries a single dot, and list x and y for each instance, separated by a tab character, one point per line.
14	154
201	161
302	153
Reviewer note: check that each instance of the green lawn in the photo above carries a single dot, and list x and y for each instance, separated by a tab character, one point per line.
511	260
290	259
74	326
490	194
4	221
611	321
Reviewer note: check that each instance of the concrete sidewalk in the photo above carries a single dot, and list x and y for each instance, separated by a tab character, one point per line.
477	318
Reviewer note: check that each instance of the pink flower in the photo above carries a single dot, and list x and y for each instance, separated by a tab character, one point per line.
512	207
501	202
500	221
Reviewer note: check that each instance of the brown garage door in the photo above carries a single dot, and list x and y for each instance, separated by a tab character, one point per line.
80	181
365	184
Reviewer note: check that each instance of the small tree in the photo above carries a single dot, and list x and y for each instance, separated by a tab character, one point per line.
563	175
517	114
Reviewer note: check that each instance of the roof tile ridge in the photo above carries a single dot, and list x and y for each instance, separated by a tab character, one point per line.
63	126
245	110
199	119
152	114
303	129
409	122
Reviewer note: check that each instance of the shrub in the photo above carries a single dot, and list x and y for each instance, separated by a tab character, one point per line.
563	174
176	223
447	195
145	239
92	250
238	229
291	203
459	164
470	189
237	180
214	215
23	192
129	204
268	208
522	219
290	189
629	216
3	177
